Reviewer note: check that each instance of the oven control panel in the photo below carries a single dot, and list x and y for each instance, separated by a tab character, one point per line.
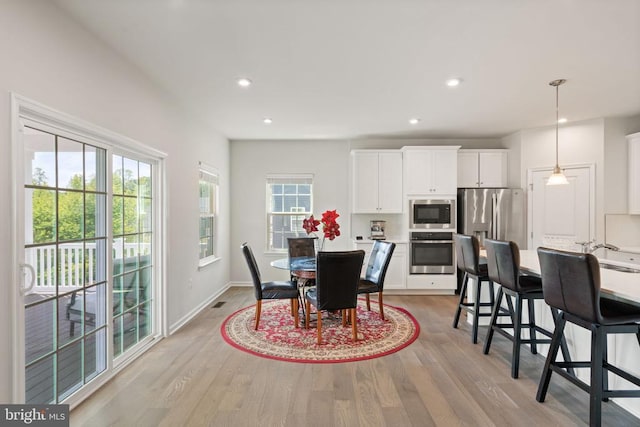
427	236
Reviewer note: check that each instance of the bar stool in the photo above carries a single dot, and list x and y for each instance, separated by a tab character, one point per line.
571	283
503	261
468	255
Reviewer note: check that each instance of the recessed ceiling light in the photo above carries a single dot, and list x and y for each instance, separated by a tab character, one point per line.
454	82
267	121
414	121
244	82
562	120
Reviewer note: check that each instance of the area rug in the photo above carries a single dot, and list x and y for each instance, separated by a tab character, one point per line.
277	338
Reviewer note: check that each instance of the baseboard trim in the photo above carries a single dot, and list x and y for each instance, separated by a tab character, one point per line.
193	313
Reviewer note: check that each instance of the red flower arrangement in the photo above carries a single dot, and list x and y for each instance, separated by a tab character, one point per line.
330	226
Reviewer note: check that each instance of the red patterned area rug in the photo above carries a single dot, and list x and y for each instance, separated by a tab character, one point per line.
277	338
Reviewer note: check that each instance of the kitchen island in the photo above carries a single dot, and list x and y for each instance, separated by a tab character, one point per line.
624	350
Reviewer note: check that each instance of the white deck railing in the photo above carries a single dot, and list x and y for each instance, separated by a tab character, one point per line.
72	261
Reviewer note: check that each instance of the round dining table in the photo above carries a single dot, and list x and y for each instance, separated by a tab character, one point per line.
301	267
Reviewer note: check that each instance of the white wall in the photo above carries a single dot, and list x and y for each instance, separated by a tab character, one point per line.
48	58
251	161
599	141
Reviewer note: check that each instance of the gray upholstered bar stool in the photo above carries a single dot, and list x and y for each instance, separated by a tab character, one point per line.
468	259
571	283
503	261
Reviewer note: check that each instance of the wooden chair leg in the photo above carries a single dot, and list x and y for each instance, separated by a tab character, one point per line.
354	324
380	305
343	313
368	301
294	303
319	326
307	316
258	309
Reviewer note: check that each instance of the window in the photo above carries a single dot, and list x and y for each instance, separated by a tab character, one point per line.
289	201
208	186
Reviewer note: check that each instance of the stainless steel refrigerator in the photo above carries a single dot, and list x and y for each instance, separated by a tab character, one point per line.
495	213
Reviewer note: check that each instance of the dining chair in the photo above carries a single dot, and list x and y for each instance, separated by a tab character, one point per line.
571	284
337	276
269	290
373	280
301	247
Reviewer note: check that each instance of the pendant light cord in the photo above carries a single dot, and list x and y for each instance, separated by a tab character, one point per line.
557	125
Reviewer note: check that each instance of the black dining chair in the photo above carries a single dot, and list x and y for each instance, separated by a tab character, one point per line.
468	259
571	284
373	280
302	247
503	261
270	290
337	276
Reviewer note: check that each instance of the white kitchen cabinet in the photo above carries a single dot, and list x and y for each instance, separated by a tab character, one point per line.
482	168
437	283
430	171
634	173
377	181
397	271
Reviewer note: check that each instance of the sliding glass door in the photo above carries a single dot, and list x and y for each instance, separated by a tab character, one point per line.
87	242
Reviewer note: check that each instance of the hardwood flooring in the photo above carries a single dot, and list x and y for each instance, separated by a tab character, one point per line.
194	378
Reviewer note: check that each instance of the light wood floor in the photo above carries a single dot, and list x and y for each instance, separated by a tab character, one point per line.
195	378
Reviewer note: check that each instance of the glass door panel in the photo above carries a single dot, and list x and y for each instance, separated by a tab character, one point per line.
132	252
65	214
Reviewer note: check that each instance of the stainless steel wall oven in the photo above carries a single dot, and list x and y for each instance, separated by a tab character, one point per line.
431	252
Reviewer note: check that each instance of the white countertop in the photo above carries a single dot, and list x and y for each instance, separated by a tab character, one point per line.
388	239
624	286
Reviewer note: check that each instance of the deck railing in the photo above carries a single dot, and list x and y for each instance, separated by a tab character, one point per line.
75	267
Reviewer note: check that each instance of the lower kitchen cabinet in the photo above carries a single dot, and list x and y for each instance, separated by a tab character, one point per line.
438	283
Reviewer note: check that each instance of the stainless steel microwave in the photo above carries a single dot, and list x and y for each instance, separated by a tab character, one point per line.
432	214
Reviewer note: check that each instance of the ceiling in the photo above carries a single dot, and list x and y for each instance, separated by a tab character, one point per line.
363	68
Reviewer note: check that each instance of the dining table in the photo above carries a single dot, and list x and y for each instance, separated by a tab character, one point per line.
303	267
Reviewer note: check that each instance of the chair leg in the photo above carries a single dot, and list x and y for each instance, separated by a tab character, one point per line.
294	304
476	312
307	316
319	326
493	322
258	309
344	315
354	324
558	335
563	342
532	326
597	372
368	301
380	305
463	294
517	336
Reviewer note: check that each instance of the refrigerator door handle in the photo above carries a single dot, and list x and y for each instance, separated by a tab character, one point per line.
495	226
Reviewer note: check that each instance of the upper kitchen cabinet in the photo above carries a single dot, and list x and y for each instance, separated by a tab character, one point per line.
634	173
430	171
377	181
482	168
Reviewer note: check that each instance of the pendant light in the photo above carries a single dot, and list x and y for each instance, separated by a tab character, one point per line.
557	177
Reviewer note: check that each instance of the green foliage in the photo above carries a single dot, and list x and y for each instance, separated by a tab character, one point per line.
77	210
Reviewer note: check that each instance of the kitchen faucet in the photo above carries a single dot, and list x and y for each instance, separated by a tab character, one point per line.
589	247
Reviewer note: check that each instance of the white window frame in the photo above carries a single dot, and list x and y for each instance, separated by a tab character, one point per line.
294	213
210	176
